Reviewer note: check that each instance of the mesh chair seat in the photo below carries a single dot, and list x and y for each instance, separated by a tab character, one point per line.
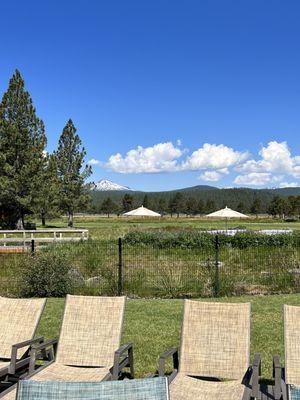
4	364
18	320
184	387
294	392
60	372
90	334
146	389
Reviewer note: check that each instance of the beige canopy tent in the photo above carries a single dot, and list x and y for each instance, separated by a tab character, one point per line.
226	213
141	212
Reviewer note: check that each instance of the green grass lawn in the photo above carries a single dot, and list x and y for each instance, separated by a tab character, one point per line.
154	325
114	227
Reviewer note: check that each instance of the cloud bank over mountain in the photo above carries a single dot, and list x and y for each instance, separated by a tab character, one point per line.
274	164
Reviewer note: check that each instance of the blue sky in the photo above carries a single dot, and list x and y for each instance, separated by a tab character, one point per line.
165	94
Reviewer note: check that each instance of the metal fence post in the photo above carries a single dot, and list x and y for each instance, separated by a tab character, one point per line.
217	277
32	247
120	264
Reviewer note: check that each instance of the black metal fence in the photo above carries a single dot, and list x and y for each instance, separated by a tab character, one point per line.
139	270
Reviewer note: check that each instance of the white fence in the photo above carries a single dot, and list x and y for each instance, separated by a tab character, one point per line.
23	238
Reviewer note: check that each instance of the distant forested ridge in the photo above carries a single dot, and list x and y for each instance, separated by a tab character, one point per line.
201	200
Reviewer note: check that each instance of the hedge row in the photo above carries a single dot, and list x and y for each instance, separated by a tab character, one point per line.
199	239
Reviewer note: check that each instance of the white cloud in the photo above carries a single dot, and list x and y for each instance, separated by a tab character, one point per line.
254	178
288	184
276	163
162	157
93	161
214	157
211	176
296	171
275	158
214	176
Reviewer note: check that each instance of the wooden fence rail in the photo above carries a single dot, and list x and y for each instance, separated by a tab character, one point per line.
20	240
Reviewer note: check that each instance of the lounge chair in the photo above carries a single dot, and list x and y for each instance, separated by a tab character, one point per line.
88	348
138	389
288	378
214	354
19	319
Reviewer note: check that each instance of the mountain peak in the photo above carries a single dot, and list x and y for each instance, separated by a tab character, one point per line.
105	185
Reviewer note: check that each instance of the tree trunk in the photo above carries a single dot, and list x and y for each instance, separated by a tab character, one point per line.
43	218
20	224
70	219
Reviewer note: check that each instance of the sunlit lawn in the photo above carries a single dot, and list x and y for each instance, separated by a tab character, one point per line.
101	227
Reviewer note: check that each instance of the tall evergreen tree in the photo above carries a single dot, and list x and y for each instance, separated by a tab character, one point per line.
278	206
146	201
72	172
22	142
190	206
162	205
178	202
48	203
108	206
240	207
200	207
294	202
210	206
255	207
127	202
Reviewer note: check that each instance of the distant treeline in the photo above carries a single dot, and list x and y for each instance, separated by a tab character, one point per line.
191	202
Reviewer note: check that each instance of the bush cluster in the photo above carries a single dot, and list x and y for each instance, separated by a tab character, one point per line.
199	239
46	274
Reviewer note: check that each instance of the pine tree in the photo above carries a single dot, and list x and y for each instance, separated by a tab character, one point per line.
240	207
108	206
146	201
278	206
210	206
200	207
190	206
48	204
22	143
161	206
127	202
178	203
256	205
72	172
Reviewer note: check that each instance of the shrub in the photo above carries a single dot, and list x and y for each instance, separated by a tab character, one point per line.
47	274
197	239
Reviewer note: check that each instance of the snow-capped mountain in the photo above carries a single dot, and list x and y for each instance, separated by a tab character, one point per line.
106	185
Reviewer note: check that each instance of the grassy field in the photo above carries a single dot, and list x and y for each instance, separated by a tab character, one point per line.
101	227
172	272
154	325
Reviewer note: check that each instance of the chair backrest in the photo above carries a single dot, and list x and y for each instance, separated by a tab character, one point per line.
91	330
292	344
19	319
137	389
215	339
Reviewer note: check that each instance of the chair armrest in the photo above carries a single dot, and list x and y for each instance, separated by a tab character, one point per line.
123	349
123	358
277	374
14	351
256	372
172	352
42	347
